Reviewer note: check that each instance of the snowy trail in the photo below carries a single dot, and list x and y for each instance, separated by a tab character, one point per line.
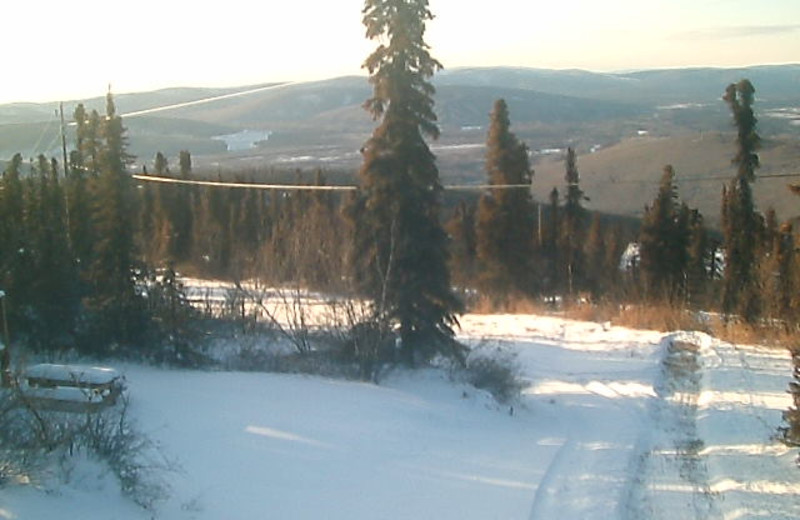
743	396
715	420
703	442
674	481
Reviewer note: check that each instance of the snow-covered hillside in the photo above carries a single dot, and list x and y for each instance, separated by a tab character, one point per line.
616	424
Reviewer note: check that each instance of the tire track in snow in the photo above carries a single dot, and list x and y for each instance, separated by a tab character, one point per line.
544	502
669	475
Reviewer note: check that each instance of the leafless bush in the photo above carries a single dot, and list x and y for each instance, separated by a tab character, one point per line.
20	461
36	443
495	370
285	310
135	459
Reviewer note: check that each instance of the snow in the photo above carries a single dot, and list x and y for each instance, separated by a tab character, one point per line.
244	140
615	424
73	374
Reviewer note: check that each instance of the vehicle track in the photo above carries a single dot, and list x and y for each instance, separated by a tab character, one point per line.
669	476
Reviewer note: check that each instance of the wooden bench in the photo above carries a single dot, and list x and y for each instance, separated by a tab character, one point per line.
71	388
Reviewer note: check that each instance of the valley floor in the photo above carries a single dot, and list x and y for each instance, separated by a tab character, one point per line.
615	424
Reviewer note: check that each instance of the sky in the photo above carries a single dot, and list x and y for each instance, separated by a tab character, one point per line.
62	50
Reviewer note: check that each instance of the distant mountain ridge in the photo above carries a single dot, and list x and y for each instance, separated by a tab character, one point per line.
322	123
774	84
778	83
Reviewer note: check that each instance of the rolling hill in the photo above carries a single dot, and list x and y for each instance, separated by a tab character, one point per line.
625	127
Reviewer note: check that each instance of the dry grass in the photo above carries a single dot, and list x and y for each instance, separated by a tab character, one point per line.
773	335
661	317
513	304
591	312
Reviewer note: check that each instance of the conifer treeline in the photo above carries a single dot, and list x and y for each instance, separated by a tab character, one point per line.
78	247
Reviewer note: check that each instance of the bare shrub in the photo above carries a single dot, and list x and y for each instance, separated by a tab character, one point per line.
495	370
37	443
284	309
20	459
135	459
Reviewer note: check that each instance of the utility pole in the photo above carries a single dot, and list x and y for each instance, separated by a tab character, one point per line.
63	141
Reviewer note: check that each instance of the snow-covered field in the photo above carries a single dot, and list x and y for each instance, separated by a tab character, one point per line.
616	424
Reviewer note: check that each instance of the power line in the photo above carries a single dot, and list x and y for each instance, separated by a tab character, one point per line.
450	187
308	187
242	185
680	180
207	100
203	101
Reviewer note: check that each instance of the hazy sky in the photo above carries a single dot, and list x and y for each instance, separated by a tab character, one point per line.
60	49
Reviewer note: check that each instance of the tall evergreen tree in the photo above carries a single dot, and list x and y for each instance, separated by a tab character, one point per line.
664	241
401	245
573	229
699	262
742	226
160	245
551	245
597	272
182	210
114	302
88	141
78	194
13	239
54	292
505	220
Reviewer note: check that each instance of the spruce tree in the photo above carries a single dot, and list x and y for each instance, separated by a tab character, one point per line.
78	188
160	246
742	226
664	240
116	307
54	292
698	267
574	226
88	141
551	245
505	220
401	247
13	239
595	253
182	212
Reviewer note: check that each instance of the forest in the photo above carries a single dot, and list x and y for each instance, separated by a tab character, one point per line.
63	230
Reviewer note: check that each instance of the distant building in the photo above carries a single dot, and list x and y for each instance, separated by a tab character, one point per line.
629	261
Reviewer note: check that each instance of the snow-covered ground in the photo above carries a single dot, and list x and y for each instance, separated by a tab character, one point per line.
616	424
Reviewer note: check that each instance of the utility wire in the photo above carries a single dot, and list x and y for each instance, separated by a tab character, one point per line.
310	187
45	128
208	100
202	101
679	180
246	185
